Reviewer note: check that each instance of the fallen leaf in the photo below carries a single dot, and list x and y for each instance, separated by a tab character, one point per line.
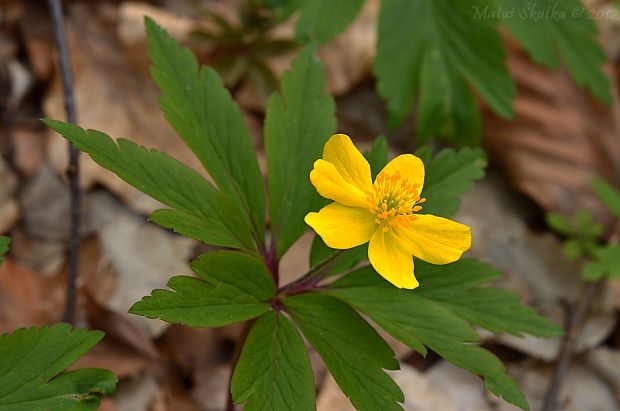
27	298
126	100
559	140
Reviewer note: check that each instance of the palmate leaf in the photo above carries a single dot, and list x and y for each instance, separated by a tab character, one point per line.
449	174
32	376
455	286
201	211
300	119
320	20
201	110
273	372
416	320
552	30
352	350
4	247
232	287
448	51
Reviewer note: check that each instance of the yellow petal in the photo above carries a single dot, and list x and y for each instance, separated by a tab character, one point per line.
436	240
330	184
391	260
409	166
350	163
342	227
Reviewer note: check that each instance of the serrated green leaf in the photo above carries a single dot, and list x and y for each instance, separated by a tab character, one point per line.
300	119
606	263
4	247
32	376
608	195
273	372
414	320
216	219
321	20
550	30
232	287
495	309
352	350
201	110
377	156
449	174
447	107
449	40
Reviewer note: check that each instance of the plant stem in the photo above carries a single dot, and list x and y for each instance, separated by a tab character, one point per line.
575	325
271	259
313	276
73	171
247	326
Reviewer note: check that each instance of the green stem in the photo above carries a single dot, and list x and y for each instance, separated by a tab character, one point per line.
314	274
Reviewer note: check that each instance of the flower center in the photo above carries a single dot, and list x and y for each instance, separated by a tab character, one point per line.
394	200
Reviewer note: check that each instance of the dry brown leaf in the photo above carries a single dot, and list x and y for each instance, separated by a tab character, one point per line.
559	140
113	96
27	298
9	210
190	348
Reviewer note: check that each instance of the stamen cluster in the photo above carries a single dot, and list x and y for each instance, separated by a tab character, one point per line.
394	200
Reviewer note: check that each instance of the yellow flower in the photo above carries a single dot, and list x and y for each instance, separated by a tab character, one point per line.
383	213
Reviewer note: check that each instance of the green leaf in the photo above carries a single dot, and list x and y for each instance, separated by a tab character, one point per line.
449	174
608	195
4	247
415	320
200	109
447	107
215	218
559	223
321	20
550	30
352	350
273	372
32	376
449	50
300	119
495	309
232	287
573	249
377	156
606	263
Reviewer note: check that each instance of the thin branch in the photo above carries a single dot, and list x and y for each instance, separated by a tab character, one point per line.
569	343
574	328
73	171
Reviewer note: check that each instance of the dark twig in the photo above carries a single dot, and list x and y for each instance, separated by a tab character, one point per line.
73	172
245	331
573	329
575	325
